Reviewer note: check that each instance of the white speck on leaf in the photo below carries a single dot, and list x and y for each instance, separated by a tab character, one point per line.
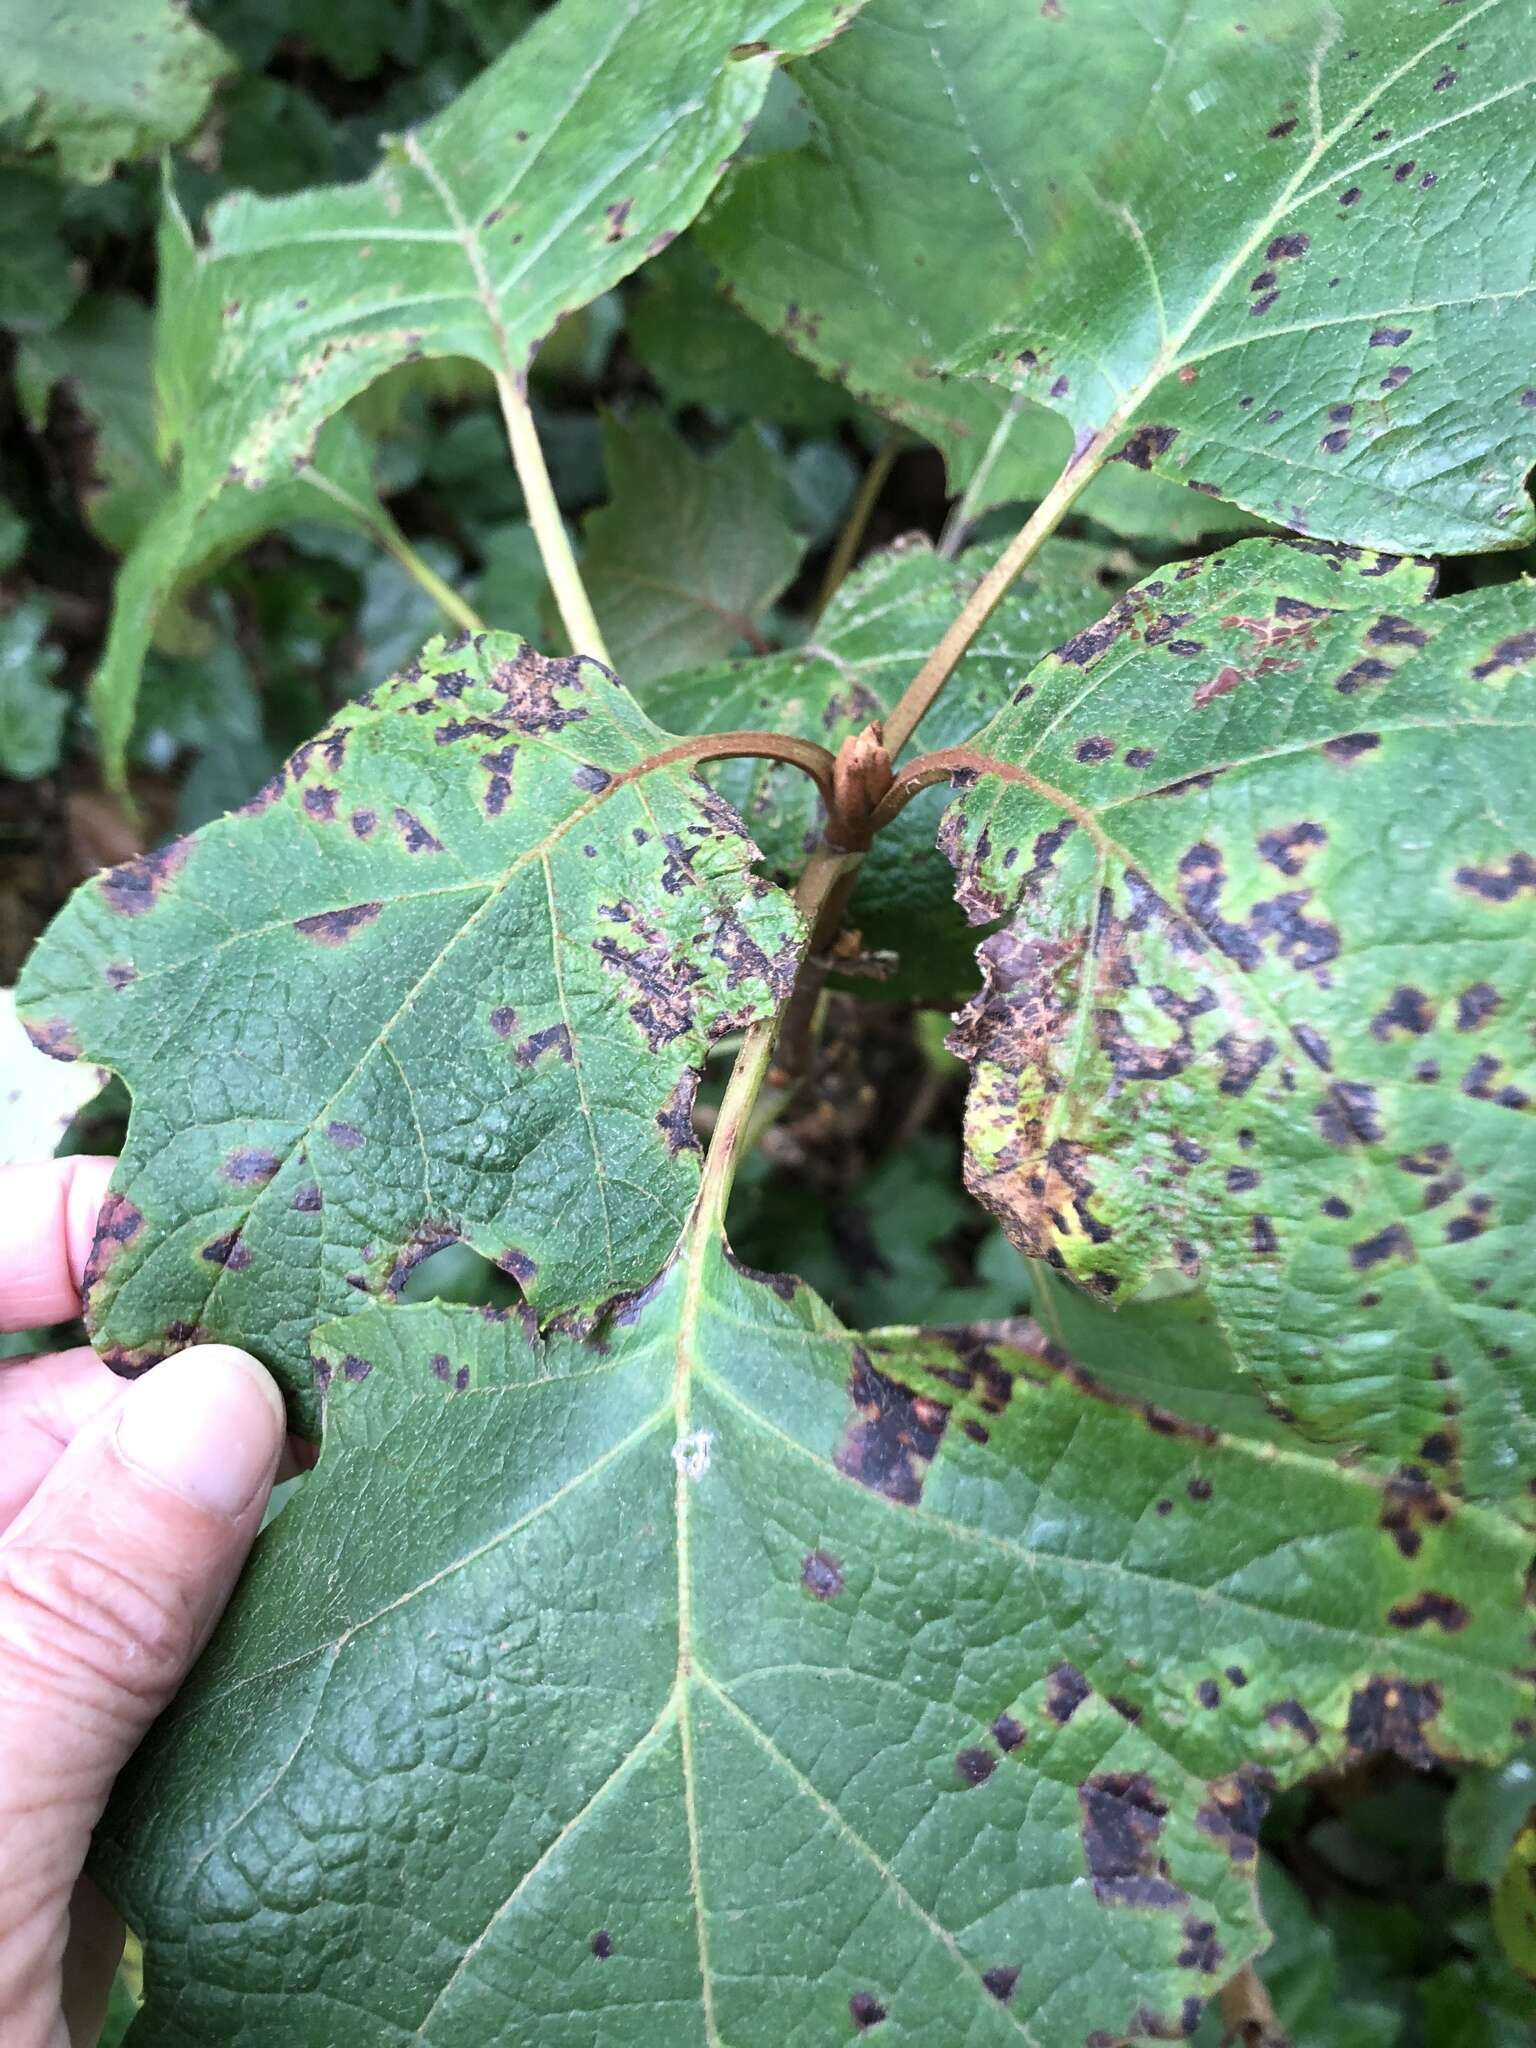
691	1453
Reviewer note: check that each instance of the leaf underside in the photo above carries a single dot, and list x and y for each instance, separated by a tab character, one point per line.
1258	1027
1290	249
1023	1665
451	975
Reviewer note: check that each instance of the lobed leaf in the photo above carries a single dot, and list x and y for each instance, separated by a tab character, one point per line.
1258	1022
451	975
103	83
875	252
1024	1663
33	709
862	654
1137	214
689	551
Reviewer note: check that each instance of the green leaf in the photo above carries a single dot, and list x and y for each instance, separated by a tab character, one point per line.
1483	1816
38	279
550	178
485	1751
32	709
512	594
701	350
690	550
876	257
194	531
102	355
1258	1022
101	83
1301	274
13	535
450	976
396	615
1514	1901
864	651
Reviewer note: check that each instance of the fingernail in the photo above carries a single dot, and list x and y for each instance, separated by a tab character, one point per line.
208	1423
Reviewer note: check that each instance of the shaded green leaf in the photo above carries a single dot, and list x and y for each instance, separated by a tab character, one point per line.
512	594
863	652
986	1767
412	995
39	281
1484	1814
690	550
1514	1901
1258	1023
702	350
101	354
33	710
876	254
99	83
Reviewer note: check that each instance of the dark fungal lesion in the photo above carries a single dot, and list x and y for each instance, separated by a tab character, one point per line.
894	1436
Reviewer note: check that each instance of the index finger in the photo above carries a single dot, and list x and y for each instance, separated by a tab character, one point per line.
48	1212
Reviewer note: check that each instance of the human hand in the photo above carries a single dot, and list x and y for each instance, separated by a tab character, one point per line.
126	1511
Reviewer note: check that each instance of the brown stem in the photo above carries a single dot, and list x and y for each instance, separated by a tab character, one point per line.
922	774
796	1028
989	592
815	760
871	485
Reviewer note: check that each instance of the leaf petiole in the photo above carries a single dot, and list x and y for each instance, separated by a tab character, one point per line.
575	607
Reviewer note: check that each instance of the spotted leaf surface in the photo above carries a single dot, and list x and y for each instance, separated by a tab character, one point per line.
1259	1021
1023	1666
876	251
103	83
865	650
592	141
1280	255
1306	284
450	975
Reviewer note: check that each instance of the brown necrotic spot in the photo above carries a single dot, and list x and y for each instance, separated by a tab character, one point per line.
307	1198
320	801
1390	337
1208	1693
335	927
1008	1733
1290	847
1391	1715
1094	749
1144	446
1000	1981
135	887
1348	1115
894	1436
1430	1609
532	686
675	1118
1349	746
517	1265
1201	1950
555	1038
1242	1061
1391	630
1412	1503
1391	1243
248	1166
601	1944
1065	1690
54	1036
1499	882
347	1136
1292	1715
1235	1811
975	1766
117	1224
821	1575
227	1251
1475	1005
1408	1010
413	834
865	2009
1122	1821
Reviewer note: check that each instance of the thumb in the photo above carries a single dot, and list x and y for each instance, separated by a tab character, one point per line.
111	1579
